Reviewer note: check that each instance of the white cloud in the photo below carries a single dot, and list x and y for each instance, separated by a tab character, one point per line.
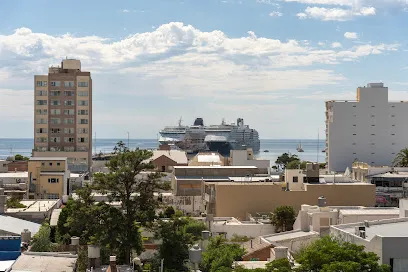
125	10
275	14
336	45
355	3
321	43
351	35
334	14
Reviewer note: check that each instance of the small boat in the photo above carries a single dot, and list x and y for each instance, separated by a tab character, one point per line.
299	148
266	150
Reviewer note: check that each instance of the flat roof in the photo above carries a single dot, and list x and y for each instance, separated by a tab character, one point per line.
383	228
373	211
390	175
35	205
54	217
252	264
14	175
48	158
52	173
45	262
289	235
16	225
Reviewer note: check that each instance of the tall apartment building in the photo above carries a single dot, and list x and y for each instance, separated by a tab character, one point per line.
63	115
370	129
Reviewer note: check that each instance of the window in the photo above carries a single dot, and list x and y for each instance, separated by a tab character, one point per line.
83	84
82	140
55	130
83	93
55	102
55	121
82	112
69	83
55	149
55	93
41	102
41	93
82	130
82	102
42	121
55	111
69	93
69	121
354	143
354	125
354	153
41	112
83	121
373	134
41	130
55	83
42	164
372	143
373	125
372	153
393	143
69	148
393	115
69	112
354	106
53	180
392	106
41	83
372	115
373	106
41	140
69	130
393	125
82	148
69	139
58	163
69	103
53	196
54	139
295	179
354	134
393	134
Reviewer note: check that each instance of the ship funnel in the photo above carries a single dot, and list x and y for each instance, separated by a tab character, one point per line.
199	122
240	122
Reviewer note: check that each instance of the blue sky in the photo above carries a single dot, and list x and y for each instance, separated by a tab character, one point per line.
272	62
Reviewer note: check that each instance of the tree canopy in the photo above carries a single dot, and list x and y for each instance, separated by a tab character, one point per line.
401	160
283	160
19	157
283	218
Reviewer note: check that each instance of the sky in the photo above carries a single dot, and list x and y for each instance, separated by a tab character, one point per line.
271	62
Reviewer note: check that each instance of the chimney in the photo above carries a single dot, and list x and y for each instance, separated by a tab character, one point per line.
74	243
112	264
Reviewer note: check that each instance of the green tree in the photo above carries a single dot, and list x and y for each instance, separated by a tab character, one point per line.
328	254
169	212
177	235
401	160
14	203
135	191
239	238
220	255
42	240
19	157
281	265
283	218
283	160
296	164
62	233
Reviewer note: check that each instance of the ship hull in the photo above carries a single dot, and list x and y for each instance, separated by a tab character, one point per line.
224	148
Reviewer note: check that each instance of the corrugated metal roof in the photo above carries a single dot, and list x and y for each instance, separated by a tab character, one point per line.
16	225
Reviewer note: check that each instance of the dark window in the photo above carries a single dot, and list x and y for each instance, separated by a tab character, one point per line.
163	168
42	164
354	134
50	163
58	163
295	179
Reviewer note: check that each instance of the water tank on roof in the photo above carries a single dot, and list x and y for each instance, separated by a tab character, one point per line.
194	254
94	252
321	201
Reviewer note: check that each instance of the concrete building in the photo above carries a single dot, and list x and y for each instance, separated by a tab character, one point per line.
165	160
17	166
45	261
48	178
14	226
3	166
239	198
208	159
246	158
369	129
363	171
187	180
34	210
63	114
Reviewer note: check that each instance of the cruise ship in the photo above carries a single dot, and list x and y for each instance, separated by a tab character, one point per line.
221	138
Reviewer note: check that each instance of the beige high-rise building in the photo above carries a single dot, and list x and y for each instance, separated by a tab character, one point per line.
63	114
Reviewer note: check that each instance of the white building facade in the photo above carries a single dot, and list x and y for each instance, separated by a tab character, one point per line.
369	129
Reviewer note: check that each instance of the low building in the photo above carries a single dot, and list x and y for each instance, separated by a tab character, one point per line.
15	184
387	238
320	218
48	178
362	171
3	166
239	198
45	261
390	187
166	160
208	159
246	158
187	180
11	226
35	210
17	166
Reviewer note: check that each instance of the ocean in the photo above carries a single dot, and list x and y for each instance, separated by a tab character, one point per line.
312	151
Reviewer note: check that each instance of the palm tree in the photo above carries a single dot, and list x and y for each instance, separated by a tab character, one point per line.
401	160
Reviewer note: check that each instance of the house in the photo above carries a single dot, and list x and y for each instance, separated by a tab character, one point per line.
165	160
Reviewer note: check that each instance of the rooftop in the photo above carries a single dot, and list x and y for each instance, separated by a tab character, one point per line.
370	211
397	227
178	156
54	217
35	205
215	166
14	175
289	235
251	264
48	159
390	175
39	262
209	157
16	225
52	173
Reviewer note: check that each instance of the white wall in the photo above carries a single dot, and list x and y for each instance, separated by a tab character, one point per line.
244	229
294	186
403	206
240	158
373	120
